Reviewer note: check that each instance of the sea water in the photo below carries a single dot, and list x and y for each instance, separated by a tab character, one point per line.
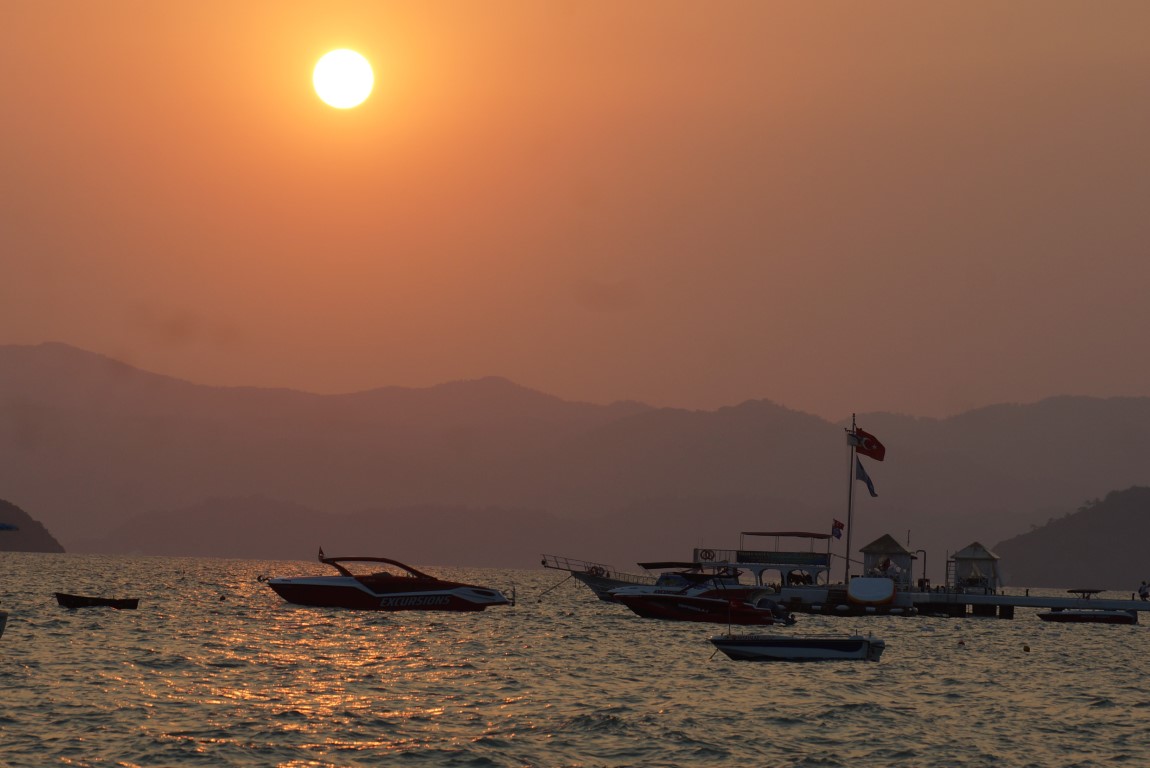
214	669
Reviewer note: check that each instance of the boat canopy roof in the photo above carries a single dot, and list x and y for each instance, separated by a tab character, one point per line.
794	534
670	564
336	562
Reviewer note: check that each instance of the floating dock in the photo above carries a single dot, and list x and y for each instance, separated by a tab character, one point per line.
835	601
799	580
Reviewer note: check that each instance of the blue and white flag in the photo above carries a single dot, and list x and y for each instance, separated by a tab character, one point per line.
860	474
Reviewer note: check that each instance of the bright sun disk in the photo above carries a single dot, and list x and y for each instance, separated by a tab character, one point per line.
343	78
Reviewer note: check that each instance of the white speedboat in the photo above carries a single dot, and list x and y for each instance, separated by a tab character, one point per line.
799	647
397	587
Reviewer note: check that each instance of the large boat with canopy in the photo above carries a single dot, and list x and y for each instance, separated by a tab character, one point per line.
693	591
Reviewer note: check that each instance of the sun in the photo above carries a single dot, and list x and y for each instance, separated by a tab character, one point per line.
343	78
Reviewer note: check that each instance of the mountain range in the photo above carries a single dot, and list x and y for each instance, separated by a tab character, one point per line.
485	472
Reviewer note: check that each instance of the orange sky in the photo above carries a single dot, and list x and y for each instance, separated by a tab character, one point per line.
914	207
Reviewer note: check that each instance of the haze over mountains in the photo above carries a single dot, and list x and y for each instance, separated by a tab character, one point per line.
114	459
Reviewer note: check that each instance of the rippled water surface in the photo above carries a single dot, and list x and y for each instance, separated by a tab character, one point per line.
215	669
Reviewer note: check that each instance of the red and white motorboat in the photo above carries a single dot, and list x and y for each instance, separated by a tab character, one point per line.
700	592
397	587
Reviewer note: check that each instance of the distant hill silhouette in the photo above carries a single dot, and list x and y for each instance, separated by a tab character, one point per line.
115	459
1100	546
28	535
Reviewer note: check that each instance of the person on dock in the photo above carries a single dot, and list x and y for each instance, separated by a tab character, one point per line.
1144	591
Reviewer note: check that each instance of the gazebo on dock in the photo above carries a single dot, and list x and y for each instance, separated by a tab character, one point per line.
886	557
974	570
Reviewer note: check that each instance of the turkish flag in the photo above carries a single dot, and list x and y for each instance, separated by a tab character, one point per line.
868	445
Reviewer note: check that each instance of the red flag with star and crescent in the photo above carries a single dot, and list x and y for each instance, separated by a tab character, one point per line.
867	444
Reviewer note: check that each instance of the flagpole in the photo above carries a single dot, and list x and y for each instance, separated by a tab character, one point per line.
850	503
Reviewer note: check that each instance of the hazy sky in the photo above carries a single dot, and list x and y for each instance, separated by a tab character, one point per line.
915	207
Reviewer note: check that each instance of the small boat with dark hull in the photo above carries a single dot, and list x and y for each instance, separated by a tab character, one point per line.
4	614
1085	613
799	648
82	601
396	587
1088	616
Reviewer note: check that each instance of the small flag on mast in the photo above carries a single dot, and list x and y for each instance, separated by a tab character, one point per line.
866	444
860	474
837	529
